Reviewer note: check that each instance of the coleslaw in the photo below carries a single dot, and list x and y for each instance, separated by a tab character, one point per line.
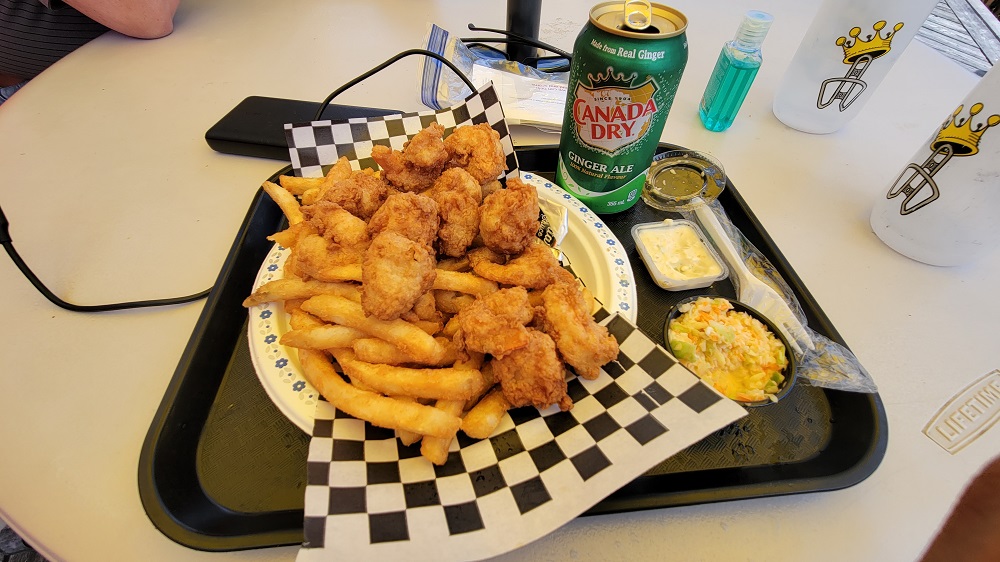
730	349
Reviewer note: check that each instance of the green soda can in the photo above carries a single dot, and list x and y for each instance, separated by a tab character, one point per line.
627	64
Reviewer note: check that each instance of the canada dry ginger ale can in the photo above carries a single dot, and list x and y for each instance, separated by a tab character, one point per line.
625	72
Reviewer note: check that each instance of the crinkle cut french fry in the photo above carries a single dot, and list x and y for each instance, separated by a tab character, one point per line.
327	336
299	319
293	288
375	350
287	202
451	302
289	236
484	417
426	308
437	384
379	410
450	328
412	340
486	382
428	326
535	298
463	282
293	305
297	186
454	264
311	196
405	437
349	272
473	360
435	449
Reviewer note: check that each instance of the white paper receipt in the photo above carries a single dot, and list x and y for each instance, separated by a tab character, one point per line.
525	100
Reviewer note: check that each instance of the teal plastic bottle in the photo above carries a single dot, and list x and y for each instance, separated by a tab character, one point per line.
735	71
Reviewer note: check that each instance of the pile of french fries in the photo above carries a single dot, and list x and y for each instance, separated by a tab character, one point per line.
404	374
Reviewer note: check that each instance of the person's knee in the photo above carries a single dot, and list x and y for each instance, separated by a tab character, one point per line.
970	532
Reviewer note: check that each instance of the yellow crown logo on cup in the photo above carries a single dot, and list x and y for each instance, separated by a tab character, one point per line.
962	134
874	45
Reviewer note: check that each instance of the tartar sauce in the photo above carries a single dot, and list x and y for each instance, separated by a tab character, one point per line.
678	252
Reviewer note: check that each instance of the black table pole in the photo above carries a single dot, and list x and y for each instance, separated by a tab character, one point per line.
523	17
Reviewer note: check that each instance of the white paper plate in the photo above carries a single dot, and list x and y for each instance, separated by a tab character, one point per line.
594	253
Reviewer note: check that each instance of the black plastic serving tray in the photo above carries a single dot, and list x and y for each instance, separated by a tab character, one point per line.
222	469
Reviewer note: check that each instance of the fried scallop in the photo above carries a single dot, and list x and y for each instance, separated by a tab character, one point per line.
533	375
361	194
583	343
330	237
336	224
411	215
534	268
477	150
458	196
395	274
508	218
495	323
420	162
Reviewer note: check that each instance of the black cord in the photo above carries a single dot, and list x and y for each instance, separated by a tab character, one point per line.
8	245
379	68
521	39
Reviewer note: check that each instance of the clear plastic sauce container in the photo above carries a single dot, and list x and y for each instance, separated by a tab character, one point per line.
677	255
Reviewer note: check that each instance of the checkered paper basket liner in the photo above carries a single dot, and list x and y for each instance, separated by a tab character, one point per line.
367	496
315	147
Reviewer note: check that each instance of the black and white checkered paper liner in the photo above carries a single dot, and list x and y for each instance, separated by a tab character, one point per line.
314	147
369	497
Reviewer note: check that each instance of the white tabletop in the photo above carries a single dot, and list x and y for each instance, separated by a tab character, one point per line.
113	194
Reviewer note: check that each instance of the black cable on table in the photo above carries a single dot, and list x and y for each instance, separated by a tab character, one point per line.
8	245
379	68
517	38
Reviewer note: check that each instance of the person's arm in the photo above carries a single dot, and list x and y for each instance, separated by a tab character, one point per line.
143	19
972	531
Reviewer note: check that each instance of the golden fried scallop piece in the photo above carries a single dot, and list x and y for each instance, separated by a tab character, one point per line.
492	186
458	196
477	149
411	215
535	268
457	180
426	307
313	254
427	149
482	255
419	163
331	237
336	224
395	274
508	218
361	194
495	323
583	343
533	375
